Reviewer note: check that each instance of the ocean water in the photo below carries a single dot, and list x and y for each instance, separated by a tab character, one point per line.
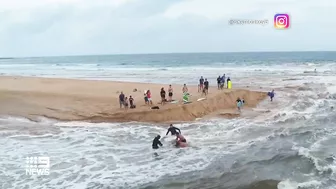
289	146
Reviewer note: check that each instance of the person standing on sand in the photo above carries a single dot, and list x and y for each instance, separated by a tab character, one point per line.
121	99
163	96
227	82
146	98
219	80
206	86
126	103
223	81
170	93
201	84
185	89
131	101
149	95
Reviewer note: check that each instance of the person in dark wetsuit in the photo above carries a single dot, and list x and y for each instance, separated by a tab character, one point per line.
219	79
173	130
206	86
156	142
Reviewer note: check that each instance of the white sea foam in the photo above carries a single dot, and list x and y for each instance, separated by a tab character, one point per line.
287	184
119	155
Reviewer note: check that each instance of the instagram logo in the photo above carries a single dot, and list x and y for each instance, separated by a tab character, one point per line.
281	21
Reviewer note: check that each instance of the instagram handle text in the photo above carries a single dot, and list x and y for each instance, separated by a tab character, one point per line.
247	22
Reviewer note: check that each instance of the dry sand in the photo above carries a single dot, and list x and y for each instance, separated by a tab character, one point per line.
97	101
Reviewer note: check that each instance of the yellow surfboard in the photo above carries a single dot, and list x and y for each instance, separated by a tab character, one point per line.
229	85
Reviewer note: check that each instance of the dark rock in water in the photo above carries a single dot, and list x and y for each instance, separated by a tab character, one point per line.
304	89
263	184
330	159
332	96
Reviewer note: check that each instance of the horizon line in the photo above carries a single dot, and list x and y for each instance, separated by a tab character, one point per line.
163	53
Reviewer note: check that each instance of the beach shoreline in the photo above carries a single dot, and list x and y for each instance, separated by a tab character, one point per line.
97	101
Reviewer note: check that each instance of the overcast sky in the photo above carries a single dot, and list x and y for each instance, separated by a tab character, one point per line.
73	27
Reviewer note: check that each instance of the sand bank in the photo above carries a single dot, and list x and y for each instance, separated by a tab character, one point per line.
97	101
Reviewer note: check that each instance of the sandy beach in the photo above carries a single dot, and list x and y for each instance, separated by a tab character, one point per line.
97	101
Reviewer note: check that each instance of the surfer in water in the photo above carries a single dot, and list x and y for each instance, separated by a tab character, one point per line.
156	142
180	141
173	130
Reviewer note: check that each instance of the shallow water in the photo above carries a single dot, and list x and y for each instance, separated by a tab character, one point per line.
223	153
290	146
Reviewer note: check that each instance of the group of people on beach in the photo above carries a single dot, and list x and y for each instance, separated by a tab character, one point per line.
203	86
163	95
124	101
148	96
221	82
180	141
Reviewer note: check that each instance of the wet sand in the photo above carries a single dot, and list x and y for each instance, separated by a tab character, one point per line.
97	101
